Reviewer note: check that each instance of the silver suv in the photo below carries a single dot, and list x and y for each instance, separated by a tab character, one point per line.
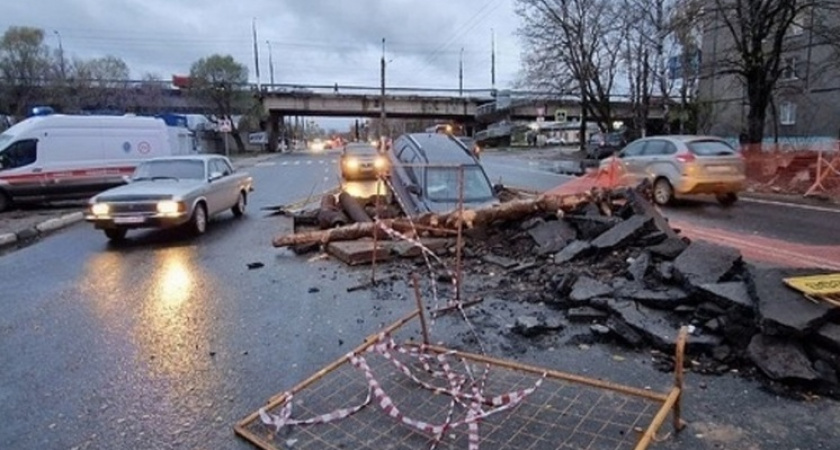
684	165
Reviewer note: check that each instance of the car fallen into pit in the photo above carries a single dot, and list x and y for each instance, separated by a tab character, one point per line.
171	192
425	174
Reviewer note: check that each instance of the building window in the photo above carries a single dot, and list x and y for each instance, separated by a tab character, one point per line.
787	113
789	68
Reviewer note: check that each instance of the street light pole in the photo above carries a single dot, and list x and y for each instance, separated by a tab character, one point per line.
270	64
60	55
382	100
461	74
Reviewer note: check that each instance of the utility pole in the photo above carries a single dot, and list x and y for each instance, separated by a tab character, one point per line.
461	74
60	55
256	53
382	100
270	64
493	60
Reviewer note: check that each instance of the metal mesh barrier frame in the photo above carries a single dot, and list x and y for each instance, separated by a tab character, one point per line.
635	409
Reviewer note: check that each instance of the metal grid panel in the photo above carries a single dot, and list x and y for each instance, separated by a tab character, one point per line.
559	414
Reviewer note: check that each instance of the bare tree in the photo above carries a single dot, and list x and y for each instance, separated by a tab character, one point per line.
574	47
24	66
758	31
218	80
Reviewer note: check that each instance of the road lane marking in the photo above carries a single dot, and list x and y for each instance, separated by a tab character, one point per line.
791	205
265	164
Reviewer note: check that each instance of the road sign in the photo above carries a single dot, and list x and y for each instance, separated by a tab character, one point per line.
559	115
225	126
816	284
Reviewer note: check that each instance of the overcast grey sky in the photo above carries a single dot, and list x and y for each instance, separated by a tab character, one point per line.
313	41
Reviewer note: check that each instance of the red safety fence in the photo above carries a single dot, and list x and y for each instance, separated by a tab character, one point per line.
807	169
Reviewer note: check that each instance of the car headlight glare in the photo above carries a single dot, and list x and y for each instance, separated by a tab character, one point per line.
100	209
380	163
352	163
168	207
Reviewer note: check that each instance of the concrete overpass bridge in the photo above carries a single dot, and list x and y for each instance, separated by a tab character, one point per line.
473	108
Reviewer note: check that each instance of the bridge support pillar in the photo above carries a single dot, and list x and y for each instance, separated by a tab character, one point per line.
274	119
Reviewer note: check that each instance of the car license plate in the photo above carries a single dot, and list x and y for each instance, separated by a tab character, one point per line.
130	219
719	169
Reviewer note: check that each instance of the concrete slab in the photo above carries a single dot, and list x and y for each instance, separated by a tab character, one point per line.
622	233
7	239
781	359
702	263
359	252
784	311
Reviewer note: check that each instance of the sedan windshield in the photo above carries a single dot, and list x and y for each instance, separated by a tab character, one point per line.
172	169
442	184
361	150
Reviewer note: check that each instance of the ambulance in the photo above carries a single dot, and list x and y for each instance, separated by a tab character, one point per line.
63	157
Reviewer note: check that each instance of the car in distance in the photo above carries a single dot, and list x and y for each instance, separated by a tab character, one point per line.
170	192
425	173
360	160
471	144
683	165
602	145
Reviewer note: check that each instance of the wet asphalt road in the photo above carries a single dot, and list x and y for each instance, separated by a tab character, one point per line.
167	341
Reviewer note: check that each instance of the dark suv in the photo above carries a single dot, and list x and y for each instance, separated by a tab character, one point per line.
425	174
601	145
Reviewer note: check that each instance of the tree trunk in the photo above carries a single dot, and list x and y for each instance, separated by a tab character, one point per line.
509	211
758	96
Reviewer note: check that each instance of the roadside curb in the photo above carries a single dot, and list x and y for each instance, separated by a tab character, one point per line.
40	229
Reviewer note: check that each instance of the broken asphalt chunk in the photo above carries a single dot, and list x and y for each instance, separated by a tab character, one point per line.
728	295
669	248
591	226
573	250
622	233
501	261
782	310
552	236
585	314
625	332
703	263
781	359
639	267
657	328
586	288
668	298
255	265
829	335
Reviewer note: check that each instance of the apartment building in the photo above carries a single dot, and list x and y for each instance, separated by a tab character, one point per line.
806	101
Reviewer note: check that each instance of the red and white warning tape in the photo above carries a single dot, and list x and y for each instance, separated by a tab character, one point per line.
385	346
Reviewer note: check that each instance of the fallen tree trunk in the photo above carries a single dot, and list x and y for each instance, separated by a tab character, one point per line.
510	211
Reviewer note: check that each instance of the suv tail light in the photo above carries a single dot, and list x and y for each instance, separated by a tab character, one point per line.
686	158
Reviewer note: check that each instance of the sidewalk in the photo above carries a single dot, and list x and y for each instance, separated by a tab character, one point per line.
23	226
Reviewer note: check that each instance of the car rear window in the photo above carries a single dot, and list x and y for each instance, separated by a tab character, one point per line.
710	148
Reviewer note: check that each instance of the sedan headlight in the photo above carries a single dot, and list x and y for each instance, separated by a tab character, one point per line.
380	163
100	209
352	163
168	207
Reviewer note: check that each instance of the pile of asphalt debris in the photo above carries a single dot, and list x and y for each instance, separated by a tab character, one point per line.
615	269
624	272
